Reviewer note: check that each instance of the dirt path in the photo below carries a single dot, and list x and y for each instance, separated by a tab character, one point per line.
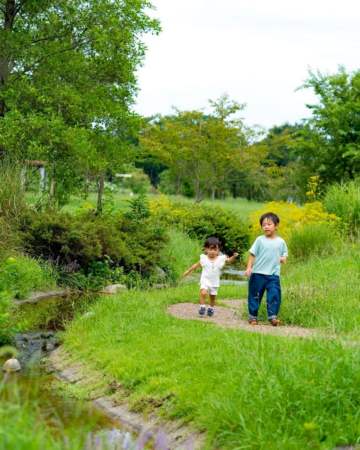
230	316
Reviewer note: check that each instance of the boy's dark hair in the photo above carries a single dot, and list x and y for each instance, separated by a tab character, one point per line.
272	216
212	242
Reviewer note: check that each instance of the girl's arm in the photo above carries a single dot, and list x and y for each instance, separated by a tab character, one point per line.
232	258
250	264
193	267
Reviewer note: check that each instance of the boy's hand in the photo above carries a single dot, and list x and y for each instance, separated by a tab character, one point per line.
235	255
283	259
248	271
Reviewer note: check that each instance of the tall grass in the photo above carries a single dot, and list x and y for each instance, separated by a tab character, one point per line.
32	419
19	275
344	201
316	239
12	206
324	292
248	391
180	252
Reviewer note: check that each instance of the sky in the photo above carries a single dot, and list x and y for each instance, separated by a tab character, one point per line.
259	52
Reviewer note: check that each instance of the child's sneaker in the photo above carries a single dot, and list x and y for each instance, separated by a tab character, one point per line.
210	311
275	322
202	310
253	321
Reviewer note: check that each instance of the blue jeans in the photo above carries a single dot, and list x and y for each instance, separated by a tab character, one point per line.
258	284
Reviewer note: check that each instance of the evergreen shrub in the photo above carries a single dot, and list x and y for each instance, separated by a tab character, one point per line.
99	248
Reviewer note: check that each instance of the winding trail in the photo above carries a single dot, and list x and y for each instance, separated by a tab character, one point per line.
228	314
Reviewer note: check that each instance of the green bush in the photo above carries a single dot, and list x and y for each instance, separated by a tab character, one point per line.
201	221
344	201
99	248
315	239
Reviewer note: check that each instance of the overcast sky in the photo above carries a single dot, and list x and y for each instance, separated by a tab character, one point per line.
257	51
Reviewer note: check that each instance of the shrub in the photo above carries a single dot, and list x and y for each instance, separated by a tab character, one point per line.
200	222
96	246
344	201
319	239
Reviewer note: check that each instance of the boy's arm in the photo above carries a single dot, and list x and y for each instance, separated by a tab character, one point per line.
232	258
250	264
284	254
190	269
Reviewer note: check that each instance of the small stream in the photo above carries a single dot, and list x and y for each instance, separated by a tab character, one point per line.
35	385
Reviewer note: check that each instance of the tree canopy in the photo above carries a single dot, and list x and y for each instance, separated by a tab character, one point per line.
67	81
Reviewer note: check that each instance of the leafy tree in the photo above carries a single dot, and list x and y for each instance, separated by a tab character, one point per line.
330	144
67	81
198	149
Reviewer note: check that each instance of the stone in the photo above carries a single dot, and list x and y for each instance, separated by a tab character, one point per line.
113	289
50	346
11	365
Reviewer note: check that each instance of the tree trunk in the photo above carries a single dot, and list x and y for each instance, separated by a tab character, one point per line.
213	191
10	11
52	188
100	194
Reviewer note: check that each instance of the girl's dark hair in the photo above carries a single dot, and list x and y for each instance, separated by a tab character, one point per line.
272	216
212	242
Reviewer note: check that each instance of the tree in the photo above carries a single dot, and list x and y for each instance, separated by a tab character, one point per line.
330	144
67	82
198	149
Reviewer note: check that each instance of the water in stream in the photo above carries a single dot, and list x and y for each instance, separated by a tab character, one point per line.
31	391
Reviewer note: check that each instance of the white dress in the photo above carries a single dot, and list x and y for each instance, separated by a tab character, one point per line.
211	271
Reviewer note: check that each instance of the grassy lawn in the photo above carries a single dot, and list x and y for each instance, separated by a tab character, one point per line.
248	391
239	206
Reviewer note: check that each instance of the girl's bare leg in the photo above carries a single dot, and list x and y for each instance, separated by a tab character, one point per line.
212	300
203	294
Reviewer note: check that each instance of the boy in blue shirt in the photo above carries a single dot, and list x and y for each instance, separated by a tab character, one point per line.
267	253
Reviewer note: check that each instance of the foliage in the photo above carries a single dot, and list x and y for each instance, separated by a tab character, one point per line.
344	201
292	217
199	150
280	373
67	82
92	246
330	142
200	222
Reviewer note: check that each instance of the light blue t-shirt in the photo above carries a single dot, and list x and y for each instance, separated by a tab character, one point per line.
267	252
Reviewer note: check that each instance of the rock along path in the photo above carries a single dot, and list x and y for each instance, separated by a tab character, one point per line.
230	316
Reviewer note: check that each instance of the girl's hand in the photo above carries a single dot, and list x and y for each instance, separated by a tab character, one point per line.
283	259
235	255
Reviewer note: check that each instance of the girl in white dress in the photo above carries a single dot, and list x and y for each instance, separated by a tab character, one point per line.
211	262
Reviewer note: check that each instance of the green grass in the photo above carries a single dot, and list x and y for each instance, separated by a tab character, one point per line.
324	292
180	252
239	206
249	391
20	275
33	418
